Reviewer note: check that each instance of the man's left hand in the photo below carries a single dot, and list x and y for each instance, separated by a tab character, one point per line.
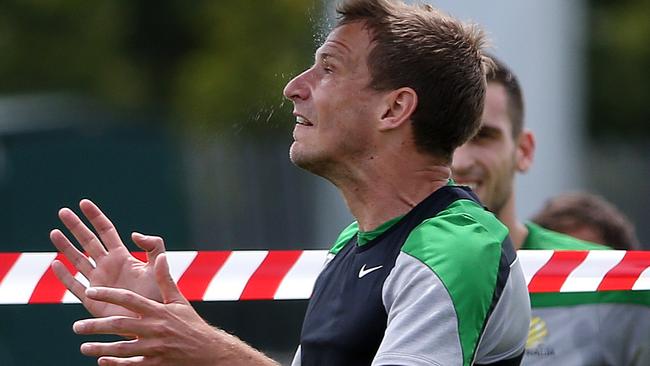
168	333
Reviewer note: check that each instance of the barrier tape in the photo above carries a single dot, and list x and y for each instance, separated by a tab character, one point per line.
26	278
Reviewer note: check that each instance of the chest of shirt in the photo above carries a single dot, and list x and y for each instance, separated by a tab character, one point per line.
346	313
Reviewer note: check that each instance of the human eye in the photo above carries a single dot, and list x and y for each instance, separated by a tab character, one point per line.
481	135
327	66
485	135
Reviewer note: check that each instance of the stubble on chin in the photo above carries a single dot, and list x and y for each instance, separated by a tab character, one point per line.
306	161
298	157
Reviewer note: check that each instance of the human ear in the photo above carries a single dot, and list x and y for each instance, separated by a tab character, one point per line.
397	108
525	150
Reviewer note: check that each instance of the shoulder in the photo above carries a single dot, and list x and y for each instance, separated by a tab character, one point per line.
344	237
464	234
451	263
462	246
542	238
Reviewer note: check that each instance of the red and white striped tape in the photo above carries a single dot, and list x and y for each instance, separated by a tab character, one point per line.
26	278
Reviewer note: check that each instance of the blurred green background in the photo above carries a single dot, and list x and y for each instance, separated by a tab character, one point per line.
169	115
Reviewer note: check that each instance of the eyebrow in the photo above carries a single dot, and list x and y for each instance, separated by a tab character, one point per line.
489	130
340	44
325	55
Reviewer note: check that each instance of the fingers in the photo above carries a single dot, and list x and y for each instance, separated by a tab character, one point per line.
128	348
78	260
84	236
104	227
124	298
140	351
168	288
130	361
71	283
121	325
153	245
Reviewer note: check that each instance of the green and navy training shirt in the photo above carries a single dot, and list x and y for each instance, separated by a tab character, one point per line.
438	286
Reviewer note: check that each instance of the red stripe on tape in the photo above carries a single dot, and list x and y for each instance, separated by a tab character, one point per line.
196	279
624	275
552	275
142	256
7	261
265	281
49	289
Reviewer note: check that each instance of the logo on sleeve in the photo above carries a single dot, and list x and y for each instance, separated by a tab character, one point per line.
363	271
537	334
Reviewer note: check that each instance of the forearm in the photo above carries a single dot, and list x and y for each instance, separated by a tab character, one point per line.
231	350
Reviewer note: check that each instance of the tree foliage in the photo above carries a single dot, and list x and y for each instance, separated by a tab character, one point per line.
619	68
216	64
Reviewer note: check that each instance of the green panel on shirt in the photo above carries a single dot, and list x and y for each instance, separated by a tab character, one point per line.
462	245
366	236
363	237
541	238
344	237
551	299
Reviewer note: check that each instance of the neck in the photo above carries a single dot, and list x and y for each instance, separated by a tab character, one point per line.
518	231
382	191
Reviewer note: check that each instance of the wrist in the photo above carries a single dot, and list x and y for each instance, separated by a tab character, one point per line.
236	352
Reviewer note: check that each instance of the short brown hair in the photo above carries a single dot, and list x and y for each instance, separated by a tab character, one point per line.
438	56
503	75
583	210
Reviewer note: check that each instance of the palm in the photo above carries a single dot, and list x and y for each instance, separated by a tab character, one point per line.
124	272
113	265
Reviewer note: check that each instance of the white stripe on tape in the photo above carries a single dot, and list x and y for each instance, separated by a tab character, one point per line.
231	279
643	282
299	281
532	261
590	273
21	280
179	262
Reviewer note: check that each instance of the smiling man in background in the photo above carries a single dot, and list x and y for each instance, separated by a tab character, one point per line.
598	328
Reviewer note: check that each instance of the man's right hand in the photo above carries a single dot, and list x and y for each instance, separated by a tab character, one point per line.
113	265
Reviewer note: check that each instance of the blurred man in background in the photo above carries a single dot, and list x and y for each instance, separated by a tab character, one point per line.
588	217
598	328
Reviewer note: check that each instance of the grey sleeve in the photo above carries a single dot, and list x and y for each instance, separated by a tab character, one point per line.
422	324
506	330
592	334
624	333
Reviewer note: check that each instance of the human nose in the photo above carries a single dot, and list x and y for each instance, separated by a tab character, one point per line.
297	88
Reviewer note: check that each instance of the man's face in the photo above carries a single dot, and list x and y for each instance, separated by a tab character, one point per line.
488	162
333	104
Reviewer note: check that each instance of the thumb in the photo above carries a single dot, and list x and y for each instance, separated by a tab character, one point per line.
153	245
168	289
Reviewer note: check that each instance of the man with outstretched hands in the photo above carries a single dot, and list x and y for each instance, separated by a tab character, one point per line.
424	276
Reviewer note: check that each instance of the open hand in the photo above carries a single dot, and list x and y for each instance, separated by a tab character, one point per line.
167	333
113	265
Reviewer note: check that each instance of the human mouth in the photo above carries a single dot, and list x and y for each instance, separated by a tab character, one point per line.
300	120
